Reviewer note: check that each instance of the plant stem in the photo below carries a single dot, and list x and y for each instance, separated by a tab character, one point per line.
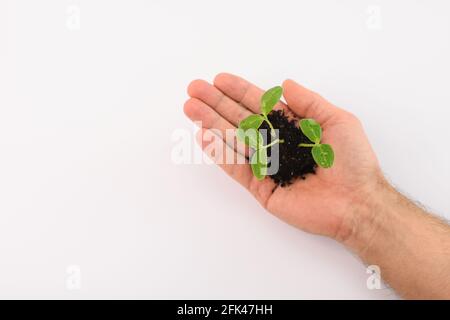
272	143
306	145
272	130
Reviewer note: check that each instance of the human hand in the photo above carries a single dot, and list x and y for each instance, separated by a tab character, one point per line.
350	202
324	203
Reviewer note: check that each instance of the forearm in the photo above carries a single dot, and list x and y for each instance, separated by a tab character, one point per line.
411	247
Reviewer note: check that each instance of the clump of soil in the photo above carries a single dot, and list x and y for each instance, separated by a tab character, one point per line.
294	161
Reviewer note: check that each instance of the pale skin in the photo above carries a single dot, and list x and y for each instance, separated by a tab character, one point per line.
351	202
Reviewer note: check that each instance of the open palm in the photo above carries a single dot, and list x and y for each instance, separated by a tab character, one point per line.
322	203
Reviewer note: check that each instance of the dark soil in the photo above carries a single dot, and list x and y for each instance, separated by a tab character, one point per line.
295	161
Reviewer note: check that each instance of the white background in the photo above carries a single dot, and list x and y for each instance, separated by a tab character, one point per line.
91	205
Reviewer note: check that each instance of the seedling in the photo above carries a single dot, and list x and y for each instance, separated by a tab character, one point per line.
322	153
249	134
253	138
268	101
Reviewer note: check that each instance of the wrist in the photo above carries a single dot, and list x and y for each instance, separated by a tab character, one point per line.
410	246
368	214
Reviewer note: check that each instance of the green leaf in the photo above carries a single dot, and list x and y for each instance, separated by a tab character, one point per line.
251	122
323	155
258	163
270	98
311	129
251	137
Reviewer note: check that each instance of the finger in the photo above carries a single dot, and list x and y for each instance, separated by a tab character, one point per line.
205	117
239	170
306	103
242	91
226	107
221	154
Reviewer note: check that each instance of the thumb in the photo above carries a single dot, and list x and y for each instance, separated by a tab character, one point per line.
306	103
